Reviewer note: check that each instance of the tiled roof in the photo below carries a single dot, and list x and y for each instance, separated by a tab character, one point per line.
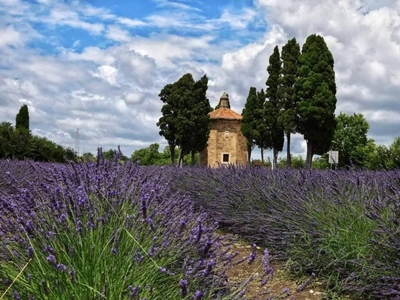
225	113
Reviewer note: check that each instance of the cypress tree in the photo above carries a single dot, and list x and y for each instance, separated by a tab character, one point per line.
286	92
273	105
316	95
22	118
248	120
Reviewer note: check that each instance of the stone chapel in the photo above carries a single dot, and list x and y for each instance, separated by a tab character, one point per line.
226	143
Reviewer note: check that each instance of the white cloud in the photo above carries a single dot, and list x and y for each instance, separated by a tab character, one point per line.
108	85
10	37
117	34
107	73
93	54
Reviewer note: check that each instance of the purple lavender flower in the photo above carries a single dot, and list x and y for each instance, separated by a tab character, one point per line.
61	267
198	295
62	218
253	254
51	259
134	291
265	260
78	226
153	250
30	251
183	284
16	296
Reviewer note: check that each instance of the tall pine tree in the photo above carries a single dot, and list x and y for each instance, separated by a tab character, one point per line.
273	105
316	95
286	92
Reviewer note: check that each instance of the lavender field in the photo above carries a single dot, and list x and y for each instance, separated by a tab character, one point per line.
106	230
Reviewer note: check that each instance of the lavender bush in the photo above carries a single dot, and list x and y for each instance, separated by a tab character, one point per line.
343	226
104	231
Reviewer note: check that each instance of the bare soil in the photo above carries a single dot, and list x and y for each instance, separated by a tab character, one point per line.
276	288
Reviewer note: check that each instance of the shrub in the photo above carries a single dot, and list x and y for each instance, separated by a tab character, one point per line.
104	230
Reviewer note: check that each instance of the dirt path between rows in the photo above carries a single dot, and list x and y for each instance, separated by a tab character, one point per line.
281	286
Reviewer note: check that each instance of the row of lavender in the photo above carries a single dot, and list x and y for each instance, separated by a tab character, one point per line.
105	231
343	226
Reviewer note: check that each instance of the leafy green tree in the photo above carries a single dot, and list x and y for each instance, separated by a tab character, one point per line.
22	118
168	123
286	92
297	162
273	105
351	139
6	140
88	157
394	150
378	158
316	96
21	142
147	156
200	119
185	121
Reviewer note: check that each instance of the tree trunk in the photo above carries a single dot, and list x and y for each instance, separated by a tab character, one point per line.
180	158
262	156
309	155
288	155
193	157
275	158
249	148
172	153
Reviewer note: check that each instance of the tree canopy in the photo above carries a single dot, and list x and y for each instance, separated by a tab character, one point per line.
254	125
316	96
185	120
351	139
288	114
20	144
22	118
273	105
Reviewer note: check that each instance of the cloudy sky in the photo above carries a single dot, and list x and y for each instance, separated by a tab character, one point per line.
99	65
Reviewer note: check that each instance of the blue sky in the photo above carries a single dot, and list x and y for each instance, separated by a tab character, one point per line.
99	65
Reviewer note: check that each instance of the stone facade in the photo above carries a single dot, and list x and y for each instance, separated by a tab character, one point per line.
226	143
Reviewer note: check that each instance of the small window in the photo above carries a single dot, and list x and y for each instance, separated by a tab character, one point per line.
225	158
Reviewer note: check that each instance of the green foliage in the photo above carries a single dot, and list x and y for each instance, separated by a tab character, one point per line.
394	150
273	105
344	236
88	157
6	140
297	162
185	121
287	115
22	118
378	158
254	125
315	92
351	139
321	163
20	144
151	156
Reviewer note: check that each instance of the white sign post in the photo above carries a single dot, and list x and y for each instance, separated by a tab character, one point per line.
333	158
